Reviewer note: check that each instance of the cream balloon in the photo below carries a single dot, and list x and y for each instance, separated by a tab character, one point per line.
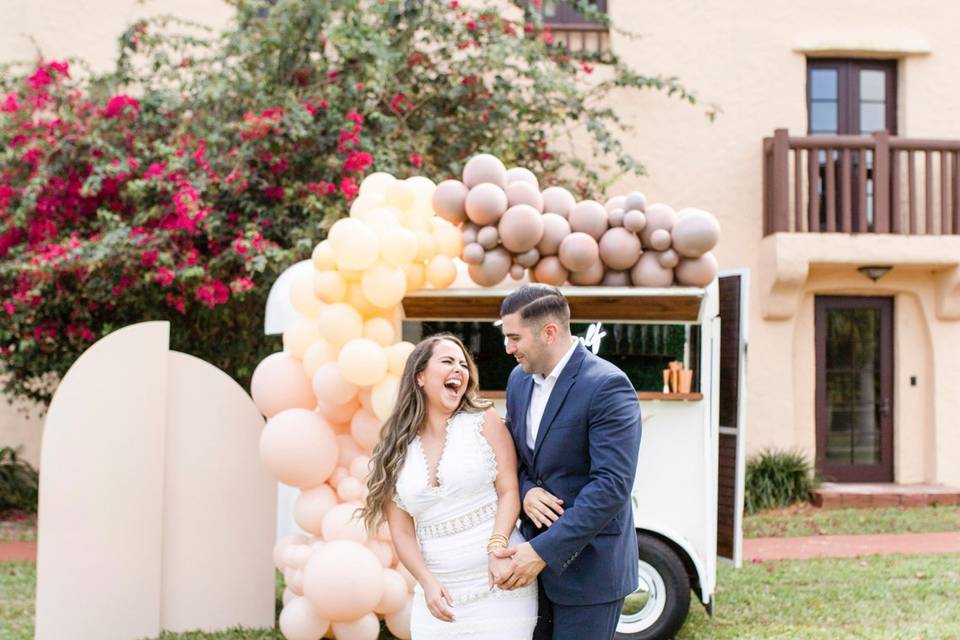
302	297
364	203
426	246
299	448
384	285
400	195
329	286
340	323
343	580
299	621
421	185
397	355
301	333
311	506
362	362
296	555
356	299
343	523
376	182
316	354
441	272
365	429
484	168
366	627
382	219
380	330
322	257
354	243
399	246
329	384
416	276
293	578
447	237
337	414
278	383
449	201
384	396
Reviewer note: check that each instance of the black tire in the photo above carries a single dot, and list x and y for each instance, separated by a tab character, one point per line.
663	566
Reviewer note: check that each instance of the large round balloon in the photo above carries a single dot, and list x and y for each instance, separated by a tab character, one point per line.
648	272
697	272
339	324
590	276
363	628
590	217
494	268
485	203
299	448
330	386
522	192
365	429
342	521
329	286
301	333
449	239
695	232
578	251
449	200
362	362
322	257
659	216
399	246
482	168
300	621
619	248
558	200
311	506
343	580
383	285
520	228
279	383
441	272
550	271
555	229
522	174
354	243
394	593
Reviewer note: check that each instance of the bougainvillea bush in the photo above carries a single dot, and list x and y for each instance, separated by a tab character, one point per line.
179	185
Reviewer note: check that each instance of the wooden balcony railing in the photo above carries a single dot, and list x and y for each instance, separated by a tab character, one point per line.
860	184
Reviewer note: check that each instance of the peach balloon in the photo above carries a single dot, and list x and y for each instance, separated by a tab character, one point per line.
380	330
520	228
354	243
695	232
340	323
394	591
486	203
383	285
350	489
365	429
521	174
648	272
616	202
558	200
517	272
351	275
280	547
330	386
550	271
555	229
299	621
482	168
426	246
279	383
397	355
316	354
473	253
590	276
299	448
293	578
660	240
360	467
449	199
528	259
578	251
697	272
302	297
635	200
448	238
494	268
348	450
311	506
364	628
301	333
619	248
342	522
296	555
522	192
362	362
343	580
669	259
441	272
399	623
590	217
322	257
399	246
634	220
364	397
616	279
488	237
336	414
659	216
383	397
338	474
415	275
384	553
288	596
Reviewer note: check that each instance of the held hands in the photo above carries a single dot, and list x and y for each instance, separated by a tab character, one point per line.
438	600
542	507
525	565
498	569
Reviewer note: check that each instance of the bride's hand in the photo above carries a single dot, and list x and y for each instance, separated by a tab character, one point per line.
498	570
438	600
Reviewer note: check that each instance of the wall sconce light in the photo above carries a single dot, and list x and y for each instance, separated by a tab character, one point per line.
874	271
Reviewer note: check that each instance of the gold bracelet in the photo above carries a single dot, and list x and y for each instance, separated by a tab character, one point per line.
497	536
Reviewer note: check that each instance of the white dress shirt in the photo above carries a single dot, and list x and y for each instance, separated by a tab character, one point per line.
542	388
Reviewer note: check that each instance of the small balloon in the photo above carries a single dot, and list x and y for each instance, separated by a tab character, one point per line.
634	220
635	200
659	216
697	272
620	248
695	232
528	259
488	237
660	240
343	580
279	383
322	257
299	621
473	253
517	272
616	279
648	272
616	217
669	259
590	276
550	271
441	272
494	268
616	202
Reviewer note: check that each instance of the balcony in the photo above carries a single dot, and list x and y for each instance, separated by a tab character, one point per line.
860	184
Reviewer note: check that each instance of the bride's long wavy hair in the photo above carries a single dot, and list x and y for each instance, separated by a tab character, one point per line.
408	416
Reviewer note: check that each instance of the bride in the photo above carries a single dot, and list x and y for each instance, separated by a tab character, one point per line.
444	477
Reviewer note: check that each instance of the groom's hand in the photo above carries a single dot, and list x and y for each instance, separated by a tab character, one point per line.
527	565
542	507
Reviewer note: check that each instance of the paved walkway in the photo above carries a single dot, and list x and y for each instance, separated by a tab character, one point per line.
18	551
851	546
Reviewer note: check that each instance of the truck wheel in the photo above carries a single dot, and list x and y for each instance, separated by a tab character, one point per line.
658	608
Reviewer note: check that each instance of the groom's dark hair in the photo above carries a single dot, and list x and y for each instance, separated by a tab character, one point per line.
538	302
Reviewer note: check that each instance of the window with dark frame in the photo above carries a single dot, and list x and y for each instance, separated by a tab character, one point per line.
563	14
572	29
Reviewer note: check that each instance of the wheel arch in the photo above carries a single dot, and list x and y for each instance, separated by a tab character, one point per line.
684	550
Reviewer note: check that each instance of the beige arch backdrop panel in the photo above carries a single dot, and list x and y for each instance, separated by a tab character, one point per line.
147	497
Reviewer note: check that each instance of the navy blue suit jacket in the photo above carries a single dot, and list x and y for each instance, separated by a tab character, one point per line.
586	454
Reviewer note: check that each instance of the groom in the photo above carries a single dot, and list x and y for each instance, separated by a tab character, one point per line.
575	420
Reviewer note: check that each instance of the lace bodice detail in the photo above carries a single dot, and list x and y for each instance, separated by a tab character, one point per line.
465	473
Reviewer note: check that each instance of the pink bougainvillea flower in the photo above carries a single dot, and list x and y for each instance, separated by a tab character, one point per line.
416	160
119	103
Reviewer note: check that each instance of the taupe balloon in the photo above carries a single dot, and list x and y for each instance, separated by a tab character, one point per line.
473	253
522	174
659	216
616	279
521	228
488	237
615	217
669	259
578	251
558	200
660	240
517	271
470	233
482	168
590	276
528	259
494	268
524	193
589	217
619	248
555	229
485	203
649	273
695	232
635	200
697	272
616	202
550	271
448	200
634	220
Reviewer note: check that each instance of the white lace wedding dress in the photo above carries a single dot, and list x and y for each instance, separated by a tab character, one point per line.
454	521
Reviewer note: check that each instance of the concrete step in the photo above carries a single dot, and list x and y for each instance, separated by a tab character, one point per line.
837	495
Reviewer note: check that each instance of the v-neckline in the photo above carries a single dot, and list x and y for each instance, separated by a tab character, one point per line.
434	474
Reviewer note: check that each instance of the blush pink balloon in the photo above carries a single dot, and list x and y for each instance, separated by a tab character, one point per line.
329	385
449	199
299	621
293	578
384	552
338	413
616	202
660	240
299	448
619	248
528	259
343	522
366	627
280	547
365	429
669	259
659	216
360	467
615	217
695	232
550	271
589	217
634	220
697	272
616	279
588	277
311	506
496	264
279	383
522	174
348	450
343	580
350	489
517	271
558	200
486	203
520	228
338	474
578	251
484	167
399	623
649	273
473	253
524	193
394	592
555	229
488	238
635	200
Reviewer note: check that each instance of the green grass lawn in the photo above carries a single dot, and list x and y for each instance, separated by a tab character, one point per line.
807	520
880	597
